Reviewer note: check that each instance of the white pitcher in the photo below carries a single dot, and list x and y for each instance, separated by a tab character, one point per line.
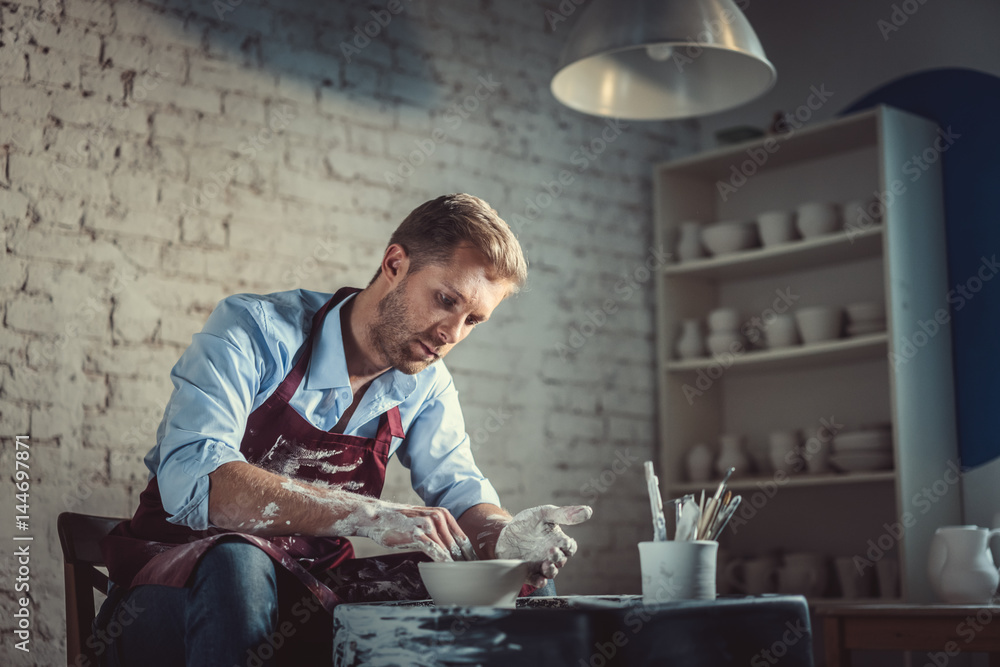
960	566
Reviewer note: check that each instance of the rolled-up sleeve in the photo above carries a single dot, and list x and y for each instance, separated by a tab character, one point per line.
438	452
215	383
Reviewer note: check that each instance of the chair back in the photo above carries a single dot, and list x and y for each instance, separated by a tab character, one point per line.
79	535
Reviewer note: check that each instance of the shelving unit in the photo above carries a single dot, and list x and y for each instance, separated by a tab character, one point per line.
854	381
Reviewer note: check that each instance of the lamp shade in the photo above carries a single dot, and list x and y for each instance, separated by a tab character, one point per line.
661	59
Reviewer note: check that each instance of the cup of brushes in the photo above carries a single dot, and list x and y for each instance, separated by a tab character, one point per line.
684	568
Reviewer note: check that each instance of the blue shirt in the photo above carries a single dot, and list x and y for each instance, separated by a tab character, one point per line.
247	347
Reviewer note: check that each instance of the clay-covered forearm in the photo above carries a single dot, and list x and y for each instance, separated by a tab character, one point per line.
483	523
245	498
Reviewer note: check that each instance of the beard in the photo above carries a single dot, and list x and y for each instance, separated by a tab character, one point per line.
392	334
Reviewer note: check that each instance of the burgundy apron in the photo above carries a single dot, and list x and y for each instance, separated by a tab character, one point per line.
150	550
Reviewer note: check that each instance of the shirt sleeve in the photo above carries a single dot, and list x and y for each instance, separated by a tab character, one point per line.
215	383
438	452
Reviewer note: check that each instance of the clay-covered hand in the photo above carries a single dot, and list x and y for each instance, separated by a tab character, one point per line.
534	535
433	530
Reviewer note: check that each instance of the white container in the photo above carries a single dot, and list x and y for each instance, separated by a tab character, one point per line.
816	450
690	344
725	342
854	584
817	219
699	461
784	449
722	238
723	320
960	566
776	227
689	241
492	583
819	323
753	576
674	570
732	455
782	331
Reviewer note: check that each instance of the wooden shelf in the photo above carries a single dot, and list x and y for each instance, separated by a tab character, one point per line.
806	253
805	479
842	350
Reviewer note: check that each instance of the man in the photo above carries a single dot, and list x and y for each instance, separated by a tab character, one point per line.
273	447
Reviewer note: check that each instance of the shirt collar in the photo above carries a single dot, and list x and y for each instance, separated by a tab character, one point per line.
328	365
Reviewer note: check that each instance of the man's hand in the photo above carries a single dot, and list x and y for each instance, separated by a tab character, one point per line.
433	530
248	499
534	535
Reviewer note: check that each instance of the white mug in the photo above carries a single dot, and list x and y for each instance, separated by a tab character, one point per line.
674	570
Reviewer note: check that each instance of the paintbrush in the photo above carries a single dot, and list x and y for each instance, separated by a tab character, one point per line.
655	503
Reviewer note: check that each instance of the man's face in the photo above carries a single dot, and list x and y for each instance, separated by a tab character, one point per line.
428	312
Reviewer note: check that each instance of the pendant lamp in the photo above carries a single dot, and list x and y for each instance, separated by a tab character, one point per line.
661	59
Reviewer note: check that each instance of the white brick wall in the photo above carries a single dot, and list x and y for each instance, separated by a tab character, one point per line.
123	228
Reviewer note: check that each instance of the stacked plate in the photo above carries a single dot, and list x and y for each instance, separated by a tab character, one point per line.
865	317
863	450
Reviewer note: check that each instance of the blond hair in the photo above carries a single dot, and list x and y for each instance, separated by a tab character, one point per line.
432	231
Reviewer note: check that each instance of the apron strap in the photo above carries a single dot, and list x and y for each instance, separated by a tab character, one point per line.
291	383
389	425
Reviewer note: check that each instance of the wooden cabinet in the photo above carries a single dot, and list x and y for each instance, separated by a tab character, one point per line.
902	376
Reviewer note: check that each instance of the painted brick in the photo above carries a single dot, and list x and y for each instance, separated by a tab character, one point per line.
179	96
106	182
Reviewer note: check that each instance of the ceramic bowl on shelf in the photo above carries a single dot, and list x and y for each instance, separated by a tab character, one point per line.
819	323
493	583
776	227
722	238
817	219
724	341
862	461
868	440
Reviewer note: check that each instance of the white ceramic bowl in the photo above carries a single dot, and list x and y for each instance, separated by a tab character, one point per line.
862	461
865	311
724	320
491	583
729	236
819	323
817	218
723	342
776	227
862	441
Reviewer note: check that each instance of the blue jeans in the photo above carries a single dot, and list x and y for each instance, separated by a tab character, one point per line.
240	610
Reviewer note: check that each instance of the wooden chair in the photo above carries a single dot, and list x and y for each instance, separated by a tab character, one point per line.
79	535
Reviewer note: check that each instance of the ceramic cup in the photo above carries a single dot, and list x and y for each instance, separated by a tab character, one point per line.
887	570
803	574
817	218
753	576
782	331
723	559
853	583
816	449
724	320
678	570
784	449
820	323
776	227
